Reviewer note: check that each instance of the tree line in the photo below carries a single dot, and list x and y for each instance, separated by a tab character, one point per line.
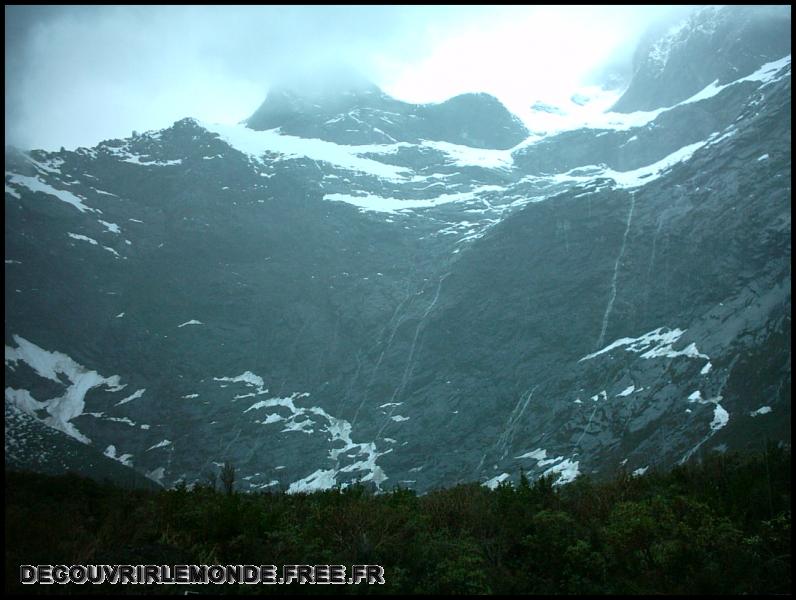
721	525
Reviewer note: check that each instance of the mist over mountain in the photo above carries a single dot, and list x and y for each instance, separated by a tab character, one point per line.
350	287
675	61
363	114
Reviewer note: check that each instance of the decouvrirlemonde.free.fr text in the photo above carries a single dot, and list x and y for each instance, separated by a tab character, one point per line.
201	574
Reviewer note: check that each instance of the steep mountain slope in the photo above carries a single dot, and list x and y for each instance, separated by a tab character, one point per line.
711	44
602	326
355	288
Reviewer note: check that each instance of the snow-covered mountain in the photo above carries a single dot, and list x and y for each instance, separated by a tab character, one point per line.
349	287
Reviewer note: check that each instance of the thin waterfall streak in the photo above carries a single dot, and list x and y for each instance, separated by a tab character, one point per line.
515	416
585	429
408	368
612	296
381	356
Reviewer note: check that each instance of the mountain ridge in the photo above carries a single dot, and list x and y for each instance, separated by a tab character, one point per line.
710	44
368	115
419	311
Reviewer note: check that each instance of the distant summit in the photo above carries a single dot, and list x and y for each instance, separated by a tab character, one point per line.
356	111
289	106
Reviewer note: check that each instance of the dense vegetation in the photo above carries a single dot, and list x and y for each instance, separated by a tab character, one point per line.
722	526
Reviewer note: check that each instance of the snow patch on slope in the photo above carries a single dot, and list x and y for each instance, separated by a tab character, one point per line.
162	444
35	184
720	418
259	143
77	236
125	459
496	481
627	391
538	454
191	322
653	344
131	397
302	419
50	365
567	471
372	202
247	377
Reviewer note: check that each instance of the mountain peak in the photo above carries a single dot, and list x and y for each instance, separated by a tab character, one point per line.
323	96
677	59
353	110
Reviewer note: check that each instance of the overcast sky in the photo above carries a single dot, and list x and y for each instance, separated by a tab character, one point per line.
76	75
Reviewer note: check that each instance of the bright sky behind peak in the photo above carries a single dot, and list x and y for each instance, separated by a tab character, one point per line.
76	75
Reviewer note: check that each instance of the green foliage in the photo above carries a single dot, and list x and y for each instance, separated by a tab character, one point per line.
228	477
721	526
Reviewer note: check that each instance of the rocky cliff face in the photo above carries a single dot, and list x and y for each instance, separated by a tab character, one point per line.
713	43
356	288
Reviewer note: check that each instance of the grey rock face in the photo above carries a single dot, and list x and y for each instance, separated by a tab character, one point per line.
712	44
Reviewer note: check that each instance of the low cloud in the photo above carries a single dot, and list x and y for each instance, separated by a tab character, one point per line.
77	75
